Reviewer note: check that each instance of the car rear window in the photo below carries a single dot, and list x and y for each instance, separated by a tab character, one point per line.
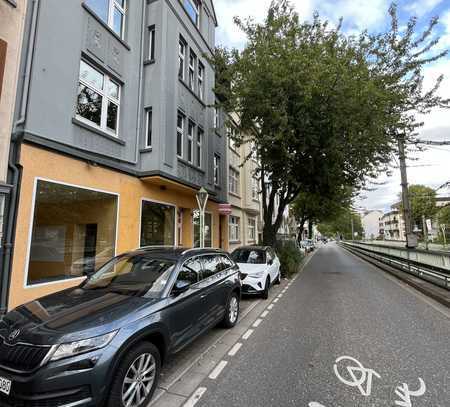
249	256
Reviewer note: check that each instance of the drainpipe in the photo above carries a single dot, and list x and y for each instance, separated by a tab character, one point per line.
14	168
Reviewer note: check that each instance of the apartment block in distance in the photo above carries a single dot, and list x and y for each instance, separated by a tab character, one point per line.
117	136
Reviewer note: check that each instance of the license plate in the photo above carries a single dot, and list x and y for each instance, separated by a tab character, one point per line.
5	385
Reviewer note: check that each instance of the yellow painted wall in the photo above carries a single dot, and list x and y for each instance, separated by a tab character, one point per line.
38	163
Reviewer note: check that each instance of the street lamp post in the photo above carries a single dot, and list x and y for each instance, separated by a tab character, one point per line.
202	199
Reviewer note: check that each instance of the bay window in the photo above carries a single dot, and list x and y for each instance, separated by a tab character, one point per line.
234	181
199	147
181	58
192	7
200	80
216	169
190	142
180	134
251	229
98	101
192	63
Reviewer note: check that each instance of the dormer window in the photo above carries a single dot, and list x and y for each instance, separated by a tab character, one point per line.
193	9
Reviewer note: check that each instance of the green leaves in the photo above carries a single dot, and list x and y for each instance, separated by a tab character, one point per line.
322	108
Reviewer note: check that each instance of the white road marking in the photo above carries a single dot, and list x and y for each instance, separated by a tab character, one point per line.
315	404
192	401
264	314
217	370
281	295
275	300
270	307
235	349
364	375
257	322
247	334
405	394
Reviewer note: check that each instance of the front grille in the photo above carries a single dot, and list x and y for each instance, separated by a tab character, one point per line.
47	399
21	357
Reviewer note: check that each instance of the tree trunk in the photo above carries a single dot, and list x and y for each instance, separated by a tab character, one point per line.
310	230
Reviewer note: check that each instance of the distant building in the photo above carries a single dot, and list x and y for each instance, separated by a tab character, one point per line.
392	225
371	224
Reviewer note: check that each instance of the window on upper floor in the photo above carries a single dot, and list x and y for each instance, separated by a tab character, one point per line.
190	141
232	134
112	12
192	64
199	147
234	181
216	118
216	169
193	9
98	101
255	188
181	58
200	80
151	43
180	133
148	128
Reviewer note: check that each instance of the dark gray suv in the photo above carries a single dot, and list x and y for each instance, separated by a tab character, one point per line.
103	342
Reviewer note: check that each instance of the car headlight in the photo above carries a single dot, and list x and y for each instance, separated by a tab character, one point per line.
66	350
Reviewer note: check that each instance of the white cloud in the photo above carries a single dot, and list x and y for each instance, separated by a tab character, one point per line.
422	7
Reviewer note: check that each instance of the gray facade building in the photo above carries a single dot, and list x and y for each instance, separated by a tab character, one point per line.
115	133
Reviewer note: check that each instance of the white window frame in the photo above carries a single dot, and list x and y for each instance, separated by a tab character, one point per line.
151	43
255	188
182	58
251	229
200	80
180	130
236	227
216	118
30	231
216	169
148	126
105	99
196	5
192	70
190	141
234	181
122	10
143	199
199	145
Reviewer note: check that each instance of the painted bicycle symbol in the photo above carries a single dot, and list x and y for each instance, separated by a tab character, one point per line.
359	375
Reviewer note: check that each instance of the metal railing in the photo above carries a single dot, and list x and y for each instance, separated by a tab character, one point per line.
432	274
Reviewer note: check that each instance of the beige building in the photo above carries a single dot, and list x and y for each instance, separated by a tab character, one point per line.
12	15
392	225
245	225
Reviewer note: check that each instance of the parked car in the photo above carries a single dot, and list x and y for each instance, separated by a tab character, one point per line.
307	246
261	267
105	340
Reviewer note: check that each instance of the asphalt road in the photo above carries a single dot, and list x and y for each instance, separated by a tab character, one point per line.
339	306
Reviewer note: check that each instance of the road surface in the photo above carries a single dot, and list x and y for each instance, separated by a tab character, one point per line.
343	334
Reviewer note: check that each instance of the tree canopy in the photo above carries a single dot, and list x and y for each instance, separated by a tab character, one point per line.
323	109
423	203
341	225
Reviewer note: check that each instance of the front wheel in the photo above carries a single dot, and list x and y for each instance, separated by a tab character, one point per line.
136	377
232	311
278	279
265	293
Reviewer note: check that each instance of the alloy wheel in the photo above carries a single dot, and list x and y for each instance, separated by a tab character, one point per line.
233	309
139	380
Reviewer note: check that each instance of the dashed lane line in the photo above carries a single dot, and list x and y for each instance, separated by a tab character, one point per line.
257	322
196	396
235	349
217	370
247	334
270	307
264	314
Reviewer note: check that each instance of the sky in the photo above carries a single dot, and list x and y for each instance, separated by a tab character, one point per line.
430	167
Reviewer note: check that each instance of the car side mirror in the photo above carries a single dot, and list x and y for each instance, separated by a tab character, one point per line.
180	287
270	262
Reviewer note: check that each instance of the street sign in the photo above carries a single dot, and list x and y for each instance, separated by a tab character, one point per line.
225	209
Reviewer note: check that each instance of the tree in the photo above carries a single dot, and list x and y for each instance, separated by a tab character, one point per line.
423	203
322	109
316	208
443	216
342	225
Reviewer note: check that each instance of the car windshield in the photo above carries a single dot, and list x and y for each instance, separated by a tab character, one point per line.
249	256
137	274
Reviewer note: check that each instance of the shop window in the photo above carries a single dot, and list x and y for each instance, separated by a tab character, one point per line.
208	228
157	224
74	232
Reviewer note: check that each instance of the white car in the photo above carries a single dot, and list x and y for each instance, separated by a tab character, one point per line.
261	266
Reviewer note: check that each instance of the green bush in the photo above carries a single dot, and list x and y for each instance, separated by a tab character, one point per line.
290	257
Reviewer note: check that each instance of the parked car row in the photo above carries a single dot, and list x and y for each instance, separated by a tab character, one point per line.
104	342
